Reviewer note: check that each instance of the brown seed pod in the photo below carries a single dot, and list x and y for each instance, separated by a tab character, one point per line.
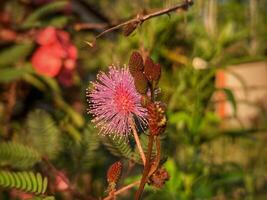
159	177
114	172
157	120
140	82
136	63
152	70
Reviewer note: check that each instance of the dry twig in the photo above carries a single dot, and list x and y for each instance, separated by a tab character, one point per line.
139	19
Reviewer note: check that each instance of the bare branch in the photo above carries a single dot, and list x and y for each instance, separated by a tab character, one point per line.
139	19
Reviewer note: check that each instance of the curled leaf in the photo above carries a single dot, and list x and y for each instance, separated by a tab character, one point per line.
129	28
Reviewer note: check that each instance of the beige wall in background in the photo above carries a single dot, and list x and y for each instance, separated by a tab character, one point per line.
248	83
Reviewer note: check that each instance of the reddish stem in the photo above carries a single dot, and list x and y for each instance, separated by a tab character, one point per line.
127	187
146	170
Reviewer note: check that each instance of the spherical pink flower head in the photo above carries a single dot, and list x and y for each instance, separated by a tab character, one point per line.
113	101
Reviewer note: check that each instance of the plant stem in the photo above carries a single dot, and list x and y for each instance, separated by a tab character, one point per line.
127	187
157	160
139	19
137	141
146	170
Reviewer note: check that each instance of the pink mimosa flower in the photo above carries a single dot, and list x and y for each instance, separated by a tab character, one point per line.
113	101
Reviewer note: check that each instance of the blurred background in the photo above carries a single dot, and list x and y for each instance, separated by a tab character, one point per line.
214	82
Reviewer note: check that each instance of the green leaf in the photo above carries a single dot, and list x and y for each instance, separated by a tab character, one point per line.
25	181
34	18
18	155
49	198
33	180
74	115
35	81
52	83
45	184
42	134
22	181
58	22
11	74
28	182
90	144
44	198
231	98
15	53
232	177
39	183
180	117
118	146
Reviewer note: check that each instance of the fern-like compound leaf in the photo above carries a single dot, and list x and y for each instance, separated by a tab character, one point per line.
89	145
25	181
18	155
43	198
43	134
118	147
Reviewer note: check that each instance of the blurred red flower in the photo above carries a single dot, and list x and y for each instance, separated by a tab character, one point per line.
16	194
46	62
56	55
62	182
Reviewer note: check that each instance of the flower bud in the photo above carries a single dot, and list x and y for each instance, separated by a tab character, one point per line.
140	82
136	63
114	172
157	120
159	177
152	70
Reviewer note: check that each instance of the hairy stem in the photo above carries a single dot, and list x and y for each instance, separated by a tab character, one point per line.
137	141
127	187
146	169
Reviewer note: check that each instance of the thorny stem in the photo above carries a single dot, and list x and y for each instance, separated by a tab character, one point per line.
139	19
146	170
137	140
127	187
